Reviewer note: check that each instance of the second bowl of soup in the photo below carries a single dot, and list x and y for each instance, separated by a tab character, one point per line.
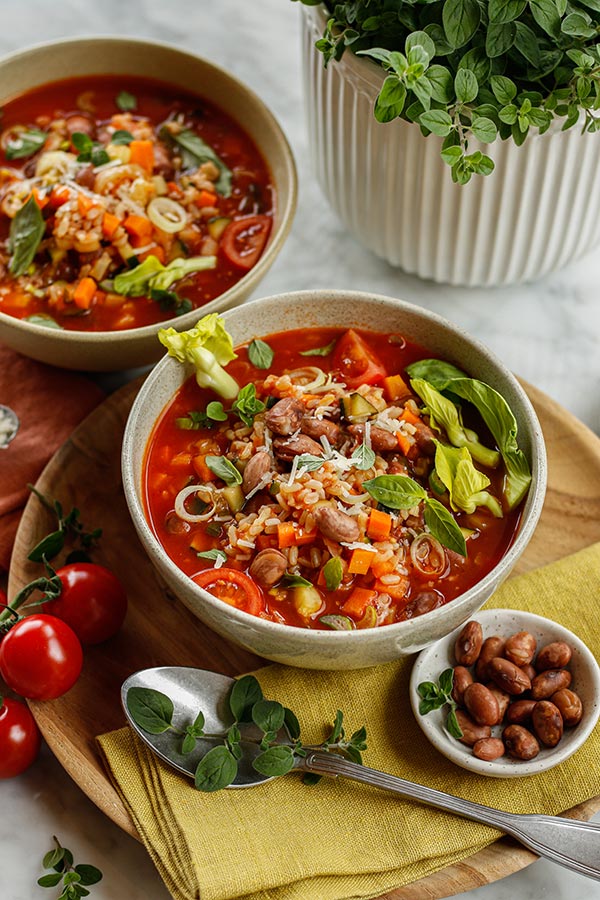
339	493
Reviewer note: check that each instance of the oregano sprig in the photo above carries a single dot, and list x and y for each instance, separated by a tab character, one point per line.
71	527
436	695
463	70
153	712
75	879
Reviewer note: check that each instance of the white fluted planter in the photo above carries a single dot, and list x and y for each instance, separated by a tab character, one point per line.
538	210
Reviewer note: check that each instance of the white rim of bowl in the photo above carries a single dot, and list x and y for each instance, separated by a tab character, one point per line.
248	280
529	519
505	767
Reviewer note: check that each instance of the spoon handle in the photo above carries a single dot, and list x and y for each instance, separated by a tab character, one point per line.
568	842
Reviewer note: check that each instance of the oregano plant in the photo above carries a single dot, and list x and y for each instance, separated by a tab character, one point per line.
72	880
153	712
464	69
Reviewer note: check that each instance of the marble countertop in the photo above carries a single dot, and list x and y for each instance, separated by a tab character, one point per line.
547	332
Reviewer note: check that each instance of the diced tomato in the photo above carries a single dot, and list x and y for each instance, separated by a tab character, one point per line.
356	362
232	587
244	239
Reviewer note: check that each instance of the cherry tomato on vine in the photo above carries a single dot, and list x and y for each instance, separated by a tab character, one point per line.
356	362
243	240
19	738
232	587
40	657
92	601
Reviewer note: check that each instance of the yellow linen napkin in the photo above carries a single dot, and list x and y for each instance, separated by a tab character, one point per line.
288	841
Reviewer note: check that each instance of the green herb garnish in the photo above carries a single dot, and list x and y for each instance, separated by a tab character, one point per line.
434	696
69	526
153	712
25	143
260	354
170	301
25	235
75	879
224	469
290	580
363	457
126	101
247	405
89	150
333	573
122	137
213	555
195	152
319	351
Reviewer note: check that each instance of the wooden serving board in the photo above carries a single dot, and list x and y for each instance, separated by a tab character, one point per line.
85	472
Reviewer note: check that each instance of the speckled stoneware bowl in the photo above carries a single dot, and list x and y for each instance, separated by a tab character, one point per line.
504	622
305	309
27	69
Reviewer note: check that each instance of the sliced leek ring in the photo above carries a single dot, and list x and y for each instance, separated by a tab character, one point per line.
167	214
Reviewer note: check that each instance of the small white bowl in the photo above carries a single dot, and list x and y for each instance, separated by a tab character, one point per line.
432	661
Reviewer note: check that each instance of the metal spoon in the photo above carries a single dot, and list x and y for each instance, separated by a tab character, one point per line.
9	425
568	842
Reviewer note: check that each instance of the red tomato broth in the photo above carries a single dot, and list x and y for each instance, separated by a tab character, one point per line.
252	189
168	468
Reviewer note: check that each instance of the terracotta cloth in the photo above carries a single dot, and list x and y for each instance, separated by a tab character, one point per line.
49	403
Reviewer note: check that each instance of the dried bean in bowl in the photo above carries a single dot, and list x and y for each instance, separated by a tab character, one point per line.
468	644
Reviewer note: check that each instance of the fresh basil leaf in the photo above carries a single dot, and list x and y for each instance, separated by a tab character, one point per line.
333	573
125	101
25	235
88	874
216	770
246	691
223	468
170	300
44	320
150	709
213	555
363	457
309	462
122	137
320	351
82	143
395	491
197	152
99	156
260	354
25	143
444	526
269	715
274	761
435	371
247	405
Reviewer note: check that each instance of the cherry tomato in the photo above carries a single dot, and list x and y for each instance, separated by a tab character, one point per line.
356	362
244	239
232	587
93	601
40	657
19	738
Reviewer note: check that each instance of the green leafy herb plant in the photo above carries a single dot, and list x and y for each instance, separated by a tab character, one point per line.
435	695
153	712
464	69
73	880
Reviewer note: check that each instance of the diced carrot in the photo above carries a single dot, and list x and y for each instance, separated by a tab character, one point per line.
206	198
84	204
138	226
40	199
141	153
180	460
304	537
110	224
379	525
410	417
286	535
360	561
59	195
381	566
201	469
154	250
358	601
84	293
396	591
404	442
174	189
396	388
265	541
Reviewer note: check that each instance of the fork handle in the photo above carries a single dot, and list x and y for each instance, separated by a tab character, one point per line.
568	842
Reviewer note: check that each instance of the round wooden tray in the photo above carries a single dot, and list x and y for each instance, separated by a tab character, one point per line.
85	472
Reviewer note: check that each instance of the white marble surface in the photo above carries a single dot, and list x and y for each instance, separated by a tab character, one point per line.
547	332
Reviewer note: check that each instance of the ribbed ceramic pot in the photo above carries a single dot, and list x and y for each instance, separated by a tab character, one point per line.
538	210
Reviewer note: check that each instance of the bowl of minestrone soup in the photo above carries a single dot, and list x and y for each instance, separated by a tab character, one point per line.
338	494
128	201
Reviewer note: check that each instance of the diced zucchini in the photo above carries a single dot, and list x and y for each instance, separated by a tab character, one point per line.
307	600
217	226
234	496
436	484
356	409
